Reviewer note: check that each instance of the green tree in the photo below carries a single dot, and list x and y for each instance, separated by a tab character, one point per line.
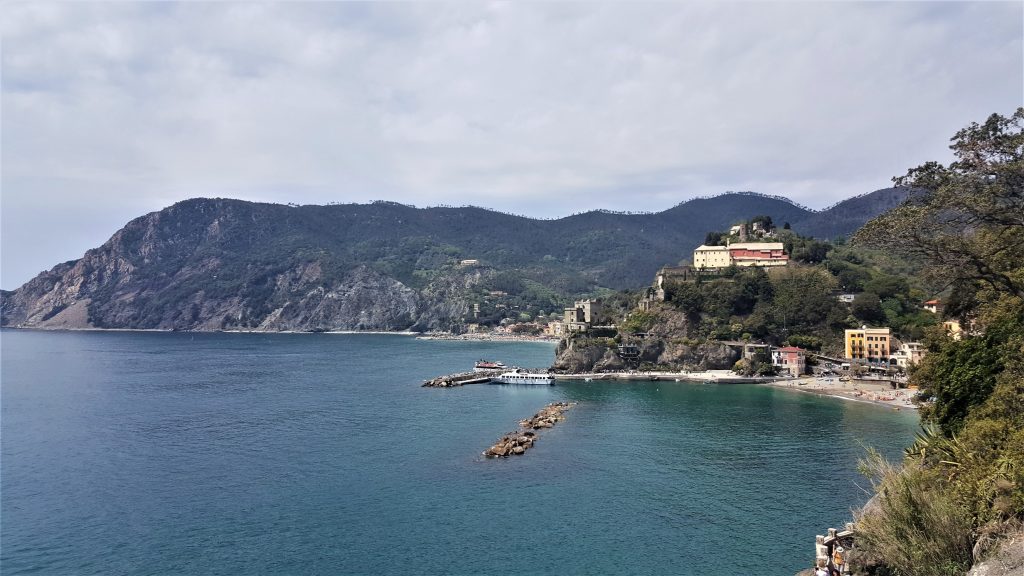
803	299
713	239
867	307
966	220
959	376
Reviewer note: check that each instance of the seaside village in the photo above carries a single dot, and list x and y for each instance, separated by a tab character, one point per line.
871	352
873	366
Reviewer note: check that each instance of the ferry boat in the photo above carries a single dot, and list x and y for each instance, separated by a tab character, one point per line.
488	366
520	376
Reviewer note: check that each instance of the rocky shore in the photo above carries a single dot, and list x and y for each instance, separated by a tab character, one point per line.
518	442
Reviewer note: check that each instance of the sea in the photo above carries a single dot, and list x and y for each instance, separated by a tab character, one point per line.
216	453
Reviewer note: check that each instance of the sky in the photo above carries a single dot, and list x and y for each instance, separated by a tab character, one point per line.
111	110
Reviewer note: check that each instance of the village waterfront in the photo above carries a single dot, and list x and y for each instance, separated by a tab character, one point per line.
138	453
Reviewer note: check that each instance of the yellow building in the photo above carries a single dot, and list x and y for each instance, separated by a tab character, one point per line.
711	257
868	344
952	327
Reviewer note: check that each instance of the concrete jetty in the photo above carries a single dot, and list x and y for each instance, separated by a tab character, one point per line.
459	379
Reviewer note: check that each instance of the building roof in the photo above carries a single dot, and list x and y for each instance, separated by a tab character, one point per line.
866	329
791	349
932	302
757	246
702	247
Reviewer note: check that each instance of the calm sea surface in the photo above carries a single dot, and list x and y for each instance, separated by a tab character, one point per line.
164	453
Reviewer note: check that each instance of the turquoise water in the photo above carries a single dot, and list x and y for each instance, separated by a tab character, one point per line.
169	453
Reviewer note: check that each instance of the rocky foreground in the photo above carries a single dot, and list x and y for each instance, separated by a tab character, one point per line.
518	442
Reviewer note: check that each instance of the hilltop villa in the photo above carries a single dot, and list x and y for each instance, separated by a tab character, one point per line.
740	254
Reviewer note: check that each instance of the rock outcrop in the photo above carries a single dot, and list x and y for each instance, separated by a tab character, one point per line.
578	355
575	355
216	265
1006	560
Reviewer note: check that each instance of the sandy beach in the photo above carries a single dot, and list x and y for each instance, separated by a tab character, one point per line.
875	392
871	391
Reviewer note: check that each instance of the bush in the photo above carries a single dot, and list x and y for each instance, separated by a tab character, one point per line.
916	529
640	321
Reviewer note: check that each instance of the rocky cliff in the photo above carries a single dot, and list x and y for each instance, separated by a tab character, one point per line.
668	344
179	270
585	355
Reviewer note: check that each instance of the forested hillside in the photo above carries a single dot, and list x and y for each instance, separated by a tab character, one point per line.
229	264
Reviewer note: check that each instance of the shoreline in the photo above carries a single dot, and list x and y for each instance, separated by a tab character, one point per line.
484	338
419	335
706	376
170	331
865	391
853	391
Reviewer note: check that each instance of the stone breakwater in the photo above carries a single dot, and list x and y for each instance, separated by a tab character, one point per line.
458	379
518	442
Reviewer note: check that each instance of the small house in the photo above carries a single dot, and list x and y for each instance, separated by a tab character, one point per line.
790	360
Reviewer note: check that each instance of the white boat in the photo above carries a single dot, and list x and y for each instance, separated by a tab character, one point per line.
521	376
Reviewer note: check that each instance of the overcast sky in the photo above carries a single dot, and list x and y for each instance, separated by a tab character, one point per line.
112	110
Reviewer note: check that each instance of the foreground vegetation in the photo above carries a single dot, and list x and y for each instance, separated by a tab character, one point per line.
960	489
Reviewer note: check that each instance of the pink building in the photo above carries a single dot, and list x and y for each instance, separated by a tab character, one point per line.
758	254
791	360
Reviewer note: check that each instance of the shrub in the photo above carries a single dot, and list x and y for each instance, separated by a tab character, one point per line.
916	529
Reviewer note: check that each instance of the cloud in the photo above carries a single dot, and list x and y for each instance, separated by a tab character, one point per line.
114	109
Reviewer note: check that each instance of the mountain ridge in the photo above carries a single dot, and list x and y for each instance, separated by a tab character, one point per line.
212	264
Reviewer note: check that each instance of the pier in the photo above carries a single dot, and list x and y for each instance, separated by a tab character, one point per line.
459	379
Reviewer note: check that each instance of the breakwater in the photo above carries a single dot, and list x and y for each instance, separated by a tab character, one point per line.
518	442
458	379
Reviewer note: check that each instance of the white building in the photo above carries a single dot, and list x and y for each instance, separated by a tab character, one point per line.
711	257
909	354
740	254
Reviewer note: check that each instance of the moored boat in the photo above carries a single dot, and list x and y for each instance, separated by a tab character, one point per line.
521	376
488	366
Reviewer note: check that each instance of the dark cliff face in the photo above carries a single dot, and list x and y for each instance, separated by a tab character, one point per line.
213	264
668	344
587	355
225	265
